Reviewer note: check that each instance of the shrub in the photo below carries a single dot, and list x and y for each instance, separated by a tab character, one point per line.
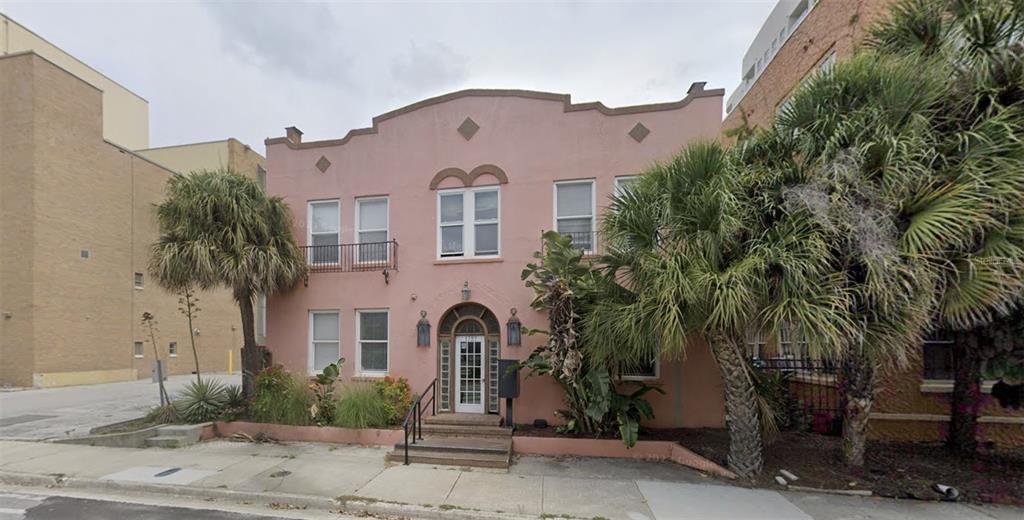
324	404
362	406
397	397
201	401
281	398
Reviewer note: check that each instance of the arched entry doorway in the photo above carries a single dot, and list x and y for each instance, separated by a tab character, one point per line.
469	341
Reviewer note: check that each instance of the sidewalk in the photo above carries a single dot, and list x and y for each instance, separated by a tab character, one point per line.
71	411
315	475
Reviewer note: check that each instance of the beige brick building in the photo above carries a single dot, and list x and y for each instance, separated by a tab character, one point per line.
76	224
798	38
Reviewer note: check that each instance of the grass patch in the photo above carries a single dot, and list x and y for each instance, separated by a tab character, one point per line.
361	406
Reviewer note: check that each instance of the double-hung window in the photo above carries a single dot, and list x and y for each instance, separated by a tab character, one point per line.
469	223
650	369
574	212
938	357
138	349
372	339
325	231
625	183
372	229
324	339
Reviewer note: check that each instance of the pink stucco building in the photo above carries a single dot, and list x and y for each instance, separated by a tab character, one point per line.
433	212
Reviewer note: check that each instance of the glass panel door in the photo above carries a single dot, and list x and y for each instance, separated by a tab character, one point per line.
469	374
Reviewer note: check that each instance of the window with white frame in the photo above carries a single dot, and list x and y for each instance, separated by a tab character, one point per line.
757	343
172	349
650	369
792	343
937	357
372	229
325	231
137	349
469	222
324	339
574	212
372	341
139	280
625	183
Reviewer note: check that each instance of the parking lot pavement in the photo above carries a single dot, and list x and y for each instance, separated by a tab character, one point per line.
52	413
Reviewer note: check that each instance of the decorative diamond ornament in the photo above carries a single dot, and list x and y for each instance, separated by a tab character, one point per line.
468	128
323	164
639	132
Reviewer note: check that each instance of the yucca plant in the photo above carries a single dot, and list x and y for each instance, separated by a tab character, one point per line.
202	401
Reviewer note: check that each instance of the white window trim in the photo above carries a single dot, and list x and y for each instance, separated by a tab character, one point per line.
309	226
359	345
135	280
172	352
619	189
593	209
143	350
386	229
311	350
469	222
657	374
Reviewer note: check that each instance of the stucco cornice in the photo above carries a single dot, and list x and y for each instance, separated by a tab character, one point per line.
696	91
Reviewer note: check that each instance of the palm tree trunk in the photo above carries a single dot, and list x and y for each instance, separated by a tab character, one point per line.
857	382
966	402
741	413
252	359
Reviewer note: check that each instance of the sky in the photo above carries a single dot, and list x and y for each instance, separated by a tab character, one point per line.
212	70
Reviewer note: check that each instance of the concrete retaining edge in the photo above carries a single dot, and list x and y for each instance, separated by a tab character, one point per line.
353	506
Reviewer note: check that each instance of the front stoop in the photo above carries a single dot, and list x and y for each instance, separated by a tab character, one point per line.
475	440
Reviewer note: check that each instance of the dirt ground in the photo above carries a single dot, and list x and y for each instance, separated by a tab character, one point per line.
899	470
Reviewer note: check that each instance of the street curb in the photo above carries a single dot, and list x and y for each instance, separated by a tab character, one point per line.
847	492
354	505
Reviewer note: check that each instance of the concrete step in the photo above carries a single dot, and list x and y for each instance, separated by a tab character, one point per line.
448	458
458	430
173	441
459	445
463	419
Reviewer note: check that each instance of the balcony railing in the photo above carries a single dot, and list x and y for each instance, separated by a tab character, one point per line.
585	240
349	258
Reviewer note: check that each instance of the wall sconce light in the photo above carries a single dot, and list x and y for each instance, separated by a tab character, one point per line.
515	330
465	291
423	331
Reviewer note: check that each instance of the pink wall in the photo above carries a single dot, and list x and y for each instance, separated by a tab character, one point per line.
536	139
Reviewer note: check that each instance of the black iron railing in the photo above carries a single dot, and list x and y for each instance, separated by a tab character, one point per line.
413	422
585	240
347	258
812	387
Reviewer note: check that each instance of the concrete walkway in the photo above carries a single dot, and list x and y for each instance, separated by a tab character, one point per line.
71	411
359	476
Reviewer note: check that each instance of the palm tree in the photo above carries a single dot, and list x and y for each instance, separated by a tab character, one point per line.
979	47
689	258
219	229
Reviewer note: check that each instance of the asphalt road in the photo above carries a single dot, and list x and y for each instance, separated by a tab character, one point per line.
31	506
49	413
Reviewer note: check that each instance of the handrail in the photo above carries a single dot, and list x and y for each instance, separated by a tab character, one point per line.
414	417
350	258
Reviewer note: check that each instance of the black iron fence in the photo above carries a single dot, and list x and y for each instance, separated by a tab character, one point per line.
812	401
346	258
585	240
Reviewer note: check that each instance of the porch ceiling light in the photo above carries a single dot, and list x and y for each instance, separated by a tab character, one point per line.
423	331
515	330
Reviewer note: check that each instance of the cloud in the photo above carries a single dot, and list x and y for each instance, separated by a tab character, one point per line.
301	39
428	67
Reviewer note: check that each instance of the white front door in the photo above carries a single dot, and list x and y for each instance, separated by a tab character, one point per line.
469	374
